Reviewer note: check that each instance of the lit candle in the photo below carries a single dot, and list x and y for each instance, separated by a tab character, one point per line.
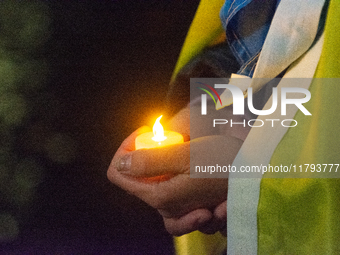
157	138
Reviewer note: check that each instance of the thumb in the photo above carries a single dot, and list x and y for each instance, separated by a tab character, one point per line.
173	160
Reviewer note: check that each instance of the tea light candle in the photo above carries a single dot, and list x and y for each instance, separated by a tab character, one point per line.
157	138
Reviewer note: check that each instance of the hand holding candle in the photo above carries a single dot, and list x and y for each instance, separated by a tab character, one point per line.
186	204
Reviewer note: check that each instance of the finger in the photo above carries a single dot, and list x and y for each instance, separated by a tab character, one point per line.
212	226
187	223
127	146
218	222
173	160
220	213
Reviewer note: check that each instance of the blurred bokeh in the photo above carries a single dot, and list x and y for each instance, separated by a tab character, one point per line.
76	78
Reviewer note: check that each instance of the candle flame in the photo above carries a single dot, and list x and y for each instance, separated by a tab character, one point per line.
158	131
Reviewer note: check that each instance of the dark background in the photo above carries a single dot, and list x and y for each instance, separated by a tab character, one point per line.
109	64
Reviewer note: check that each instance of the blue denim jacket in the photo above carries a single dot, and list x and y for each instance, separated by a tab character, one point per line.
246	38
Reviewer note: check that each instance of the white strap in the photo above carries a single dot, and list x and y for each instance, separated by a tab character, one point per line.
291	34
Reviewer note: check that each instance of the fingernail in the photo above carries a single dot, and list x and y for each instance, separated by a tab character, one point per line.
124	163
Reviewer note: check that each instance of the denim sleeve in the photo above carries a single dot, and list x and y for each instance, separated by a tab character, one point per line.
246	23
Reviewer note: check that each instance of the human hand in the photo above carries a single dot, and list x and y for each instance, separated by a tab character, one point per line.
161	177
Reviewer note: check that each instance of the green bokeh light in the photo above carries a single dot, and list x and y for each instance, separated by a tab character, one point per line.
8	74
9	227
13	109
24	24
24	28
